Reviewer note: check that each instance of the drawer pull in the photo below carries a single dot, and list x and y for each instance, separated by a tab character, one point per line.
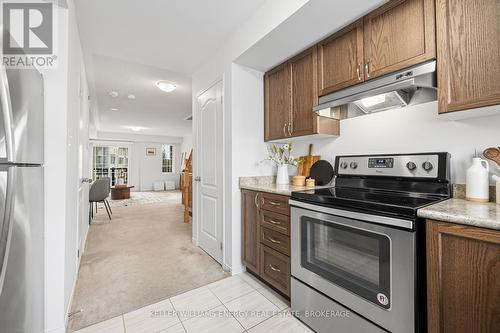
275	203
275	269
274	222
274	240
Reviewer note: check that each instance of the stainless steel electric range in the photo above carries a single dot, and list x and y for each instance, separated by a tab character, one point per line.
358	248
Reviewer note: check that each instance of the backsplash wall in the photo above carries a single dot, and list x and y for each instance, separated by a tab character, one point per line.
410	130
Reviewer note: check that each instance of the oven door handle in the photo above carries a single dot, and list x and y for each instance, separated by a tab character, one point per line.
384	220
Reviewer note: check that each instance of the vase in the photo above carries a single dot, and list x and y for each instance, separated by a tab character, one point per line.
282	176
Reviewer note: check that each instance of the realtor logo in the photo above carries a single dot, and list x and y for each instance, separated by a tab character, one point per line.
28	34
28	28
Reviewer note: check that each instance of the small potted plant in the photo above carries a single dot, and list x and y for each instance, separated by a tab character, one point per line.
282	157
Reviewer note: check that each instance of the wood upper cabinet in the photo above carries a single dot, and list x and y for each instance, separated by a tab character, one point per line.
304	83
398	35
250	217
290	92
340	59
463	284
277	102
468	44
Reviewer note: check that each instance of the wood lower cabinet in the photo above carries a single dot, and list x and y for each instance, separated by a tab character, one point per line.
398	35
266	237
468	44
275	269
250	219
463	278
340	59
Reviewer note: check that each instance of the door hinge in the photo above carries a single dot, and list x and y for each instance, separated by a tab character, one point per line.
78	253
221	245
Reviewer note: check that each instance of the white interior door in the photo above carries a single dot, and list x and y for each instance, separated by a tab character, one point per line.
208	172
83	166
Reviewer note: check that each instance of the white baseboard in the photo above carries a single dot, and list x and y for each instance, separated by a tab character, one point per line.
237	270
56	330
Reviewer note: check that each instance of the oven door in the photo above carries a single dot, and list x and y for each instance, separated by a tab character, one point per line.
361	261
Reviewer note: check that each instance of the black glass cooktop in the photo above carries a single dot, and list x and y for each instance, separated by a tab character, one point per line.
390	203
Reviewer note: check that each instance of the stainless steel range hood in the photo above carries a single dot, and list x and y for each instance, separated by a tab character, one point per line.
413	85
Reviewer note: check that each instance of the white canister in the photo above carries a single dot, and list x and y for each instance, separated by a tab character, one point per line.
282	176
477	181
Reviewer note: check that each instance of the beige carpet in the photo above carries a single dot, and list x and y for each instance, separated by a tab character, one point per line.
142	198
143	256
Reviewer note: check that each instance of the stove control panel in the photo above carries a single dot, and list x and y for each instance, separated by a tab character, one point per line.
409	166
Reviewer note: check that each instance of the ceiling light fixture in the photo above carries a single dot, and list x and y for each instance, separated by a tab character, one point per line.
166	86
135	128
113	94
114	109
131	96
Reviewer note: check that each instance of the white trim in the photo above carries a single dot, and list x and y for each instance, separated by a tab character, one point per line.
56	330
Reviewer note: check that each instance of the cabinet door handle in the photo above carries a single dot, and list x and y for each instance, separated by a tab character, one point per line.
274	222
275	269
358	72
367	68
284	129
255	200
275	203
290	129
274	240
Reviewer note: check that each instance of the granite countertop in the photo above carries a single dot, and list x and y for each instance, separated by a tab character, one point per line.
485	215
268	184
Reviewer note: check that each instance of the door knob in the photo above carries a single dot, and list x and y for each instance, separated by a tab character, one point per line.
87	180
197	179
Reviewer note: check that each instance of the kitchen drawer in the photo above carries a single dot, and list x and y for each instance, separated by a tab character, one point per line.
275	240
275	221
275	203
275	269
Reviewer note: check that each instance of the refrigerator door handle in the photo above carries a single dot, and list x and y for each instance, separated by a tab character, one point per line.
7	115
6	226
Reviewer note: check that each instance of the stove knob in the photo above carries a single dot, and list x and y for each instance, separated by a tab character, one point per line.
427	166
343	165
411	166
354	165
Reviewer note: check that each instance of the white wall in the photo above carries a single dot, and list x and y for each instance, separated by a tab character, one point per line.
413	129
148	168
62	102
145	170
187	144
55	90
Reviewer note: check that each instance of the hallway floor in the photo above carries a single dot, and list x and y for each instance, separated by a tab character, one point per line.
140	257
240	303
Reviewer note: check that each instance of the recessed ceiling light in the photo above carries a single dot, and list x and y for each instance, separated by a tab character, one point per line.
135	128
166	86
131	96
114	109
113	93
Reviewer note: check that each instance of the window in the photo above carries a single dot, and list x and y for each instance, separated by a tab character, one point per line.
167	158
112	162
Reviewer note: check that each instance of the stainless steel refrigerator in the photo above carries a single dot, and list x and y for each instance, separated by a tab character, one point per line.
21	201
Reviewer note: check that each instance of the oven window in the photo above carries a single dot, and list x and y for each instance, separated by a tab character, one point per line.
354	259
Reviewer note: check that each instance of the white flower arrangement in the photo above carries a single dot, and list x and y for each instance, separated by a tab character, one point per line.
282	155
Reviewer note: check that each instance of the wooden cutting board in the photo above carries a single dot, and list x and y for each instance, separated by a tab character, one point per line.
307	162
